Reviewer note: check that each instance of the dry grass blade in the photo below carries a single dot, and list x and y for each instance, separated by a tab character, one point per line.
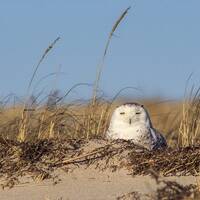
99	69
40	61
114	28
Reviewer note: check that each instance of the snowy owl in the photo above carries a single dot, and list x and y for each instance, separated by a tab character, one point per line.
131	121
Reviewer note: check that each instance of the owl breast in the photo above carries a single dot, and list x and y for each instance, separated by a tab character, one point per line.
136	132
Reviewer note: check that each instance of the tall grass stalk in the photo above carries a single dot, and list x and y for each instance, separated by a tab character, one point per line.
49	48
101	65
93	128
24	116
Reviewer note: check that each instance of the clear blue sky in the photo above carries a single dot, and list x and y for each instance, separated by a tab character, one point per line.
156	48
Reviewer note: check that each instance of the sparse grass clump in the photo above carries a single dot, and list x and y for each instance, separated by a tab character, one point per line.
189	130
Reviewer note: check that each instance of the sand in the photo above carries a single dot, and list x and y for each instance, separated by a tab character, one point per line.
86	184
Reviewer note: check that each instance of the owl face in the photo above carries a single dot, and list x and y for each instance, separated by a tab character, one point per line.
131	114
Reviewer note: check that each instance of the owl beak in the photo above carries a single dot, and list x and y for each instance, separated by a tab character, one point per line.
130	121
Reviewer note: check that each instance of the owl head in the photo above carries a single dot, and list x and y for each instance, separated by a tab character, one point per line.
130	114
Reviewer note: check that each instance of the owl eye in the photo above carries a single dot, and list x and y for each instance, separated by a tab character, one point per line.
122	113
137	113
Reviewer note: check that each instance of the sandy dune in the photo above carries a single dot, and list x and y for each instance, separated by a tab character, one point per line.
86	184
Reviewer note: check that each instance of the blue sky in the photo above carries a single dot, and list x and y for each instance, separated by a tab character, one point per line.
156	47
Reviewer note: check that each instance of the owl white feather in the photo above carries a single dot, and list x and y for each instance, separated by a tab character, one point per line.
131	121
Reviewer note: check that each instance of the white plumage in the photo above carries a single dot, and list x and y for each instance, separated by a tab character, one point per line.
131	121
